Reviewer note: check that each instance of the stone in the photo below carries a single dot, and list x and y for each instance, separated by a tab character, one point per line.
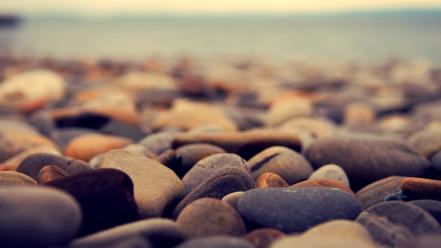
323	183
208	166
155	185
315	127
421	188
32	165
270	180
210	217
13	162
298	209
379	191
185	157
263	237
299	241
433	207
435	161
158	142
367	160
50	173
85	147
37	216
123	242
158	231
216	242
427	140
425	241
358	114
395	223
31	90
105	196
343	229
233	198
12	178
288	164
245	144
220	184
332	172
283	110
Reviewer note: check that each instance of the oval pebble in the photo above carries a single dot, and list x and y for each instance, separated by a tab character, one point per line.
332	172
12	178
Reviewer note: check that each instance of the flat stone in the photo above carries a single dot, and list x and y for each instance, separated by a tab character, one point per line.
105	196
32	165
220	184
246	144
263	237
208	166
216	242
298	209
210	217
270	180
323	183
379	191
85	147
155	185
37	216
332	172
12	178
290	165
158	231
395	223
369	159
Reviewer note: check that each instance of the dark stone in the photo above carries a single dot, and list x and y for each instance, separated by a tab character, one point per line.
105	195
134	241
433	207
296	209
395	223
50	173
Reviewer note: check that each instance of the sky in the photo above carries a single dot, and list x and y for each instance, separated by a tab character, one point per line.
105	7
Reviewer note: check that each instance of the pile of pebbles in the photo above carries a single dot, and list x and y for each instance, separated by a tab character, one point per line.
233	154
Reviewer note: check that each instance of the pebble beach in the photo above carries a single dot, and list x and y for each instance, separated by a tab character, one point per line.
238	153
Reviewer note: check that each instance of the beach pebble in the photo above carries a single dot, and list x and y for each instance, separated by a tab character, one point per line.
208	166
50	173
263	237
379	191
13	162
343	229
424	241
216	242
210	217
105	196
287	109
279	207
435	161
123	242
37	216
367	160
158	232
12	178
323	183
155	185
85	147
428	140
290	165
299	241
233	198
270	180
158	142
31	90
332	172
421	188
395	223
358	114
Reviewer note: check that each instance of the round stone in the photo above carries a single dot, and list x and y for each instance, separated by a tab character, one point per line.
395	223
37	216
296	209
290	165
433	207
332	172
12	178
210	217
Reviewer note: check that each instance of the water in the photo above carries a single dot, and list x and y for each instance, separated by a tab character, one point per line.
346	36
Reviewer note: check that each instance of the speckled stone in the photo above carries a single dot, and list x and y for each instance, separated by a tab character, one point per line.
263	237
332	172
12	178
216	242
296	210
37	216
367	160
395	223
290	165
210	217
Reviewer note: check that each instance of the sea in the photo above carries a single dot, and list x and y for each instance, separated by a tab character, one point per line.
367	36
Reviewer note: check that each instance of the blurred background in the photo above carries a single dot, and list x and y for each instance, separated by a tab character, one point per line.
135	29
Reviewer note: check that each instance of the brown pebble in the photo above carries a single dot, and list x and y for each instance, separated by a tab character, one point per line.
264	237
270	180
421	188
49	173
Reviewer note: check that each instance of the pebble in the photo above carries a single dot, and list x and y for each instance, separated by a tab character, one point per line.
433	207
343	229
427	140
155	185
216	242
209	166
85	147
290	165
332	172
284	110
12	178
105	196
37	216
13	162
158	142
323	183
270	180
32	165
159	232
296	210
233	198
367	160
210	217
425	241
395	223
435	161
319	242
379	191
220	184
50	173
421	188
245	144
263	237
